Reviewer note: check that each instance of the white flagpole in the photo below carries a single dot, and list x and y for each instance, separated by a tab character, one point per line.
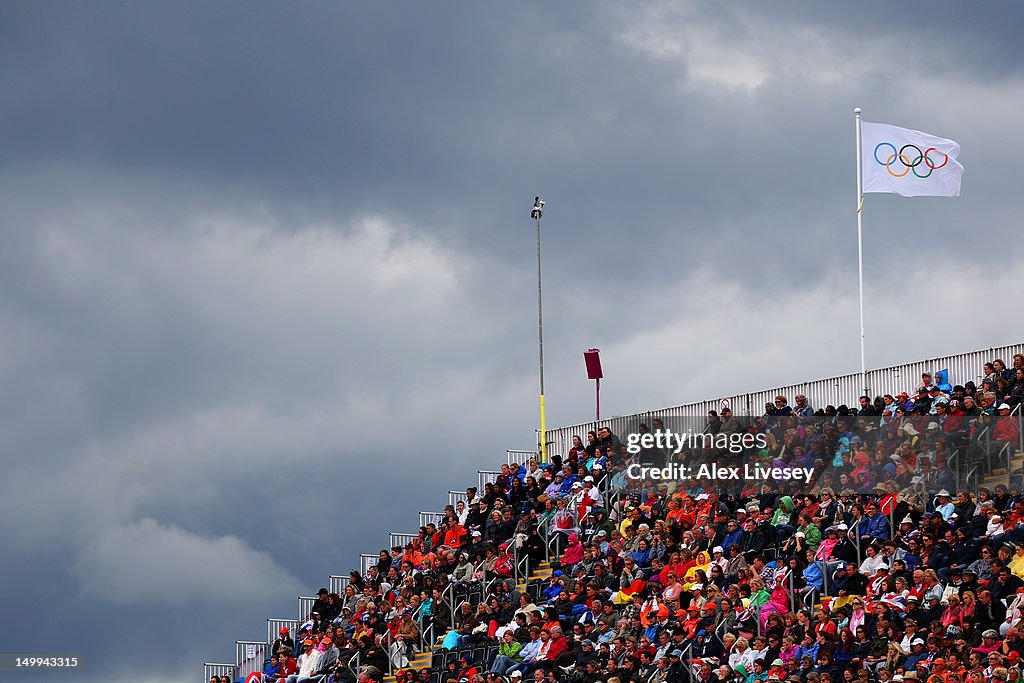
860	253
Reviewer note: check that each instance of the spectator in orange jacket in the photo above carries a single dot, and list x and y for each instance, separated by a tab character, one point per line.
454	535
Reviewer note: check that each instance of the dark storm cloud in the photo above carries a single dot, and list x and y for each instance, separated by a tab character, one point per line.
256	253
222	400
452	115
937	38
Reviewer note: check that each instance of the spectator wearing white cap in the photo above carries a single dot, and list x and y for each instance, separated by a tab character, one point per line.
589	498
917	654
718	558
576	496
1006	429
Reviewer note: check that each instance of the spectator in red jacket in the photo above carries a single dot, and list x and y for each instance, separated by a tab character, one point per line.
1006	429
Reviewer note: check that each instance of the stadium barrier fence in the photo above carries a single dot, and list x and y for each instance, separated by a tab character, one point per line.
250	656
835	391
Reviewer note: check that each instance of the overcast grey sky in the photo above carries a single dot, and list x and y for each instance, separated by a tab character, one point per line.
267	284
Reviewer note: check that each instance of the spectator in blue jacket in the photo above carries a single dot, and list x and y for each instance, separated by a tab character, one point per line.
875	526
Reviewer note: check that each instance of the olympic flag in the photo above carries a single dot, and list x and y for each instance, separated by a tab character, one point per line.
908	162
904	162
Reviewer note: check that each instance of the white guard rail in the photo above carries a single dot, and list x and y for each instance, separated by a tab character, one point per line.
485	477
519	457
836	391
210	669
305	607
401	540
337	583
250	656
431	518
274	628
365	562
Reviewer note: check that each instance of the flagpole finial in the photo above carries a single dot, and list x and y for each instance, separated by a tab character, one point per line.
856	110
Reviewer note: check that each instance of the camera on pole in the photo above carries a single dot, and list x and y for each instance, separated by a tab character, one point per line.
538	208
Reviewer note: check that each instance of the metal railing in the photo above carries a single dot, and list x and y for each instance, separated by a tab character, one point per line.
687	657
455	496
792	589
521	565
353	663
274	628
431	518
485	477
250	656
425	641
337	583
427	638
988	454
718	632
1017	413
1010	448
512	456
544	529
1005	456
366	561
210	669
400	540
388	643
489	583
448	595
305	607
979	448
964	463
809	598
972	476
553	538
835	391
854	537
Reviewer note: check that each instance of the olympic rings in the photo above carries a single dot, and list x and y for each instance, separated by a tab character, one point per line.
930	163
910	163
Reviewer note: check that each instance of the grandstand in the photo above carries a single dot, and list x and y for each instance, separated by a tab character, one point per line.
902	558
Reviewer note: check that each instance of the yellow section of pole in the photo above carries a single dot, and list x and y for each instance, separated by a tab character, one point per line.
543	433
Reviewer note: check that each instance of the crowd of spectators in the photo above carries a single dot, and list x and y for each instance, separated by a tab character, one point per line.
878	569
